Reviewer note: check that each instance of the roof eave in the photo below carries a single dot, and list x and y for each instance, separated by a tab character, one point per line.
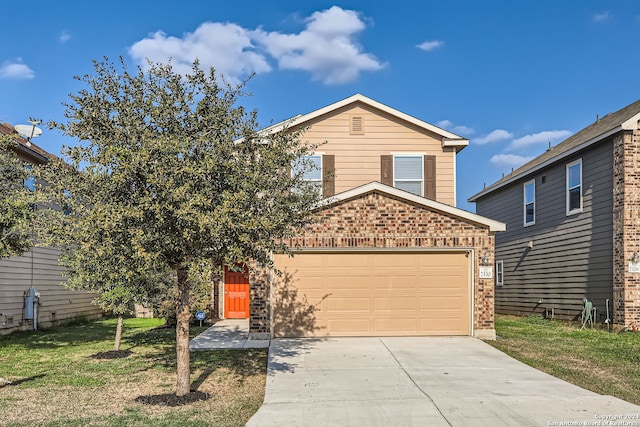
560	156
298	120
494	226
458	144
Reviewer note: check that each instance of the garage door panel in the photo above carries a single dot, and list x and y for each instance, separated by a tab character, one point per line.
349	327
348	284
382	305
396	326
348	305
352	261
374	294
444	303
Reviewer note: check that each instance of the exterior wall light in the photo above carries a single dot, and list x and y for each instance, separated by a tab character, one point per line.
485	259
634	258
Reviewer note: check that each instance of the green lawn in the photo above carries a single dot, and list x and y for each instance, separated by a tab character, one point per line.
601	361
69	376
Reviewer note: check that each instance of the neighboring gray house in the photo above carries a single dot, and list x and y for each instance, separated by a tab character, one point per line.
573	225
39	270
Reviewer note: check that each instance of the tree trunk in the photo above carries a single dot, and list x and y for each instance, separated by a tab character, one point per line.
215	291
183	316
116	345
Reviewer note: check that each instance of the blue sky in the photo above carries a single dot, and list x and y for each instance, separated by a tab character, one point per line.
510	76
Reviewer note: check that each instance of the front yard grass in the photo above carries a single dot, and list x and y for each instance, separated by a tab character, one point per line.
69	376
604	362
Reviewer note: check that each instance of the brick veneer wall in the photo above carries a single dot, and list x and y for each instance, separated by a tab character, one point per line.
378	221
626	227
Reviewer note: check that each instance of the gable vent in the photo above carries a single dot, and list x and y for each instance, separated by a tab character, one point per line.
357	125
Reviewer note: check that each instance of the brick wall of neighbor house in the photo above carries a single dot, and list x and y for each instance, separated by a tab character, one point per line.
377	221
626	227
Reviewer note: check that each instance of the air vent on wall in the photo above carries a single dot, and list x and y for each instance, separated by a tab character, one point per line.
357	125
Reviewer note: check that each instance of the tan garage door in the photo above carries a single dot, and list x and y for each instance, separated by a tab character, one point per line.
372	294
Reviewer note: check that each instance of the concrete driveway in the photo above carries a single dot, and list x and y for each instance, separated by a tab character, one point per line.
428	381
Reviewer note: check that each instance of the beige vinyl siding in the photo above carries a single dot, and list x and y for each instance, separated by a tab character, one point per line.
357	157
39	269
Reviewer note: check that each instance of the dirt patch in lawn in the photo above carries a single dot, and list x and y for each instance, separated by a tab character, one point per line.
147	393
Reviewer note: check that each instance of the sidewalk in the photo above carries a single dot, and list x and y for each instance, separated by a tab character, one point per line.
227	334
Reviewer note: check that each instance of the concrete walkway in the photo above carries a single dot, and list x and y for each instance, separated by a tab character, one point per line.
430	381
227	334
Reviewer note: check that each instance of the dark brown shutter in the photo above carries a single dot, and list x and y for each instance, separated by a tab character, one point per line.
430	177
328	175
386	170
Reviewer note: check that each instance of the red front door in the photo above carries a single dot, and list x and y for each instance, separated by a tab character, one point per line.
236	294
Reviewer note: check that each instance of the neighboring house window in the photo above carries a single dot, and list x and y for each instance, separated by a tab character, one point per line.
408	174
30	181
499	274
574	187
530	203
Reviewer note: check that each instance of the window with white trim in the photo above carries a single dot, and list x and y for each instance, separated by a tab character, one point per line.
499	273
408	173
311	167
529	190
574	187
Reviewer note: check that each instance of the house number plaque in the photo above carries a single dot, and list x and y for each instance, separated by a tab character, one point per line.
486	272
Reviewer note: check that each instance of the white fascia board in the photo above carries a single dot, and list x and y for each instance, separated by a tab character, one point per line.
432	204
632	123
459	144
448	138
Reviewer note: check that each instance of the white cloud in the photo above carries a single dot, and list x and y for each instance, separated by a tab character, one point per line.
493	136
226	47
326	48
509	160
602	16
64	37
430	45
459	129
538	138
16	70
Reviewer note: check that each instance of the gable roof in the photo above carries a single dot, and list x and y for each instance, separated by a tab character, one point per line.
380	188
25	146
449	139
625	119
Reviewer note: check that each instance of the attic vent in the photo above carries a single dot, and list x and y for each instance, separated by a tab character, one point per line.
357	125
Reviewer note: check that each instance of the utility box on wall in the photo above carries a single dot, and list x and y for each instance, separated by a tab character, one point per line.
30	299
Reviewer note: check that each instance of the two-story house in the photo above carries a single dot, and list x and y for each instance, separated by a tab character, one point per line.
573	225
390	254
36	273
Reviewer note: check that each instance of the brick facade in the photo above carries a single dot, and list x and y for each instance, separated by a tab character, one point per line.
380	221
626	227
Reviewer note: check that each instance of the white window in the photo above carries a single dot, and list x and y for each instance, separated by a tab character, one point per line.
311	167
529	202
574	187
499	273
408	173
